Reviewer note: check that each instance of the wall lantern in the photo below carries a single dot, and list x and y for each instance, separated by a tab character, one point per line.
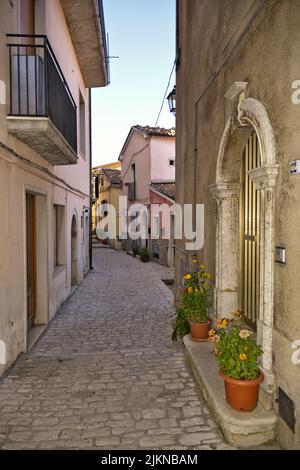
172	101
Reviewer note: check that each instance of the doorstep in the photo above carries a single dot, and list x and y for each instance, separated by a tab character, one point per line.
240	429
34	334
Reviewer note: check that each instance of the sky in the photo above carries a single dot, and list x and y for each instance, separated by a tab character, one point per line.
142	34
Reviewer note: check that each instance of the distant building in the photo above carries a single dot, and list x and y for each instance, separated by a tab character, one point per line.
112	166
162	247
148	158
108	189
52	53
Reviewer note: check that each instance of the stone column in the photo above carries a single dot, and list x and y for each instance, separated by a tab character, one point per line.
227	248
264	179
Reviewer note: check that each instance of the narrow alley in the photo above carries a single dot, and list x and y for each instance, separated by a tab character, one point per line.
106	374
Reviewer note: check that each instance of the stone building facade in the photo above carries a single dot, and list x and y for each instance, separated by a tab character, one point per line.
47	67
237	136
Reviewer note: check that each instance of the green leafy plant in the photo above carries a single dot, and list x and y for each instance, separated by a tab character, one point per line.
144	254
194	302
180	326
236	351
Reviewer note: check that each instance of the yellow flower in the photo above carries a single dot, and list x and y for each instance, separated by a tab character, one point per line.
187	276
243	356
222	323
202	266
211	332
237	313
190	290
195	261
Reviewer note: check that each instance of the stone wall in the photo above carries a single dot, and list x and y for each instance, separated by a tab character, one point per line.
253	42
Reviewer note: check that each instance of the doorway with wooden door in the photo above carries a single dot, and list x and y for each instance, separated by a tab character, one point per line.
31	259
250	234
74	267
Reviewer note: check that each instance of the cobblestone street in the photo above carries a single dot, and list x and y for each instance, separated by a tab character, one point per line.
106	374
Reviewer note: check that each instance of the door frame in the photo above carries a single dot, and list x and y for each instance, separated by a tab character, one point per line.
248	115
74	231
42	257
33	259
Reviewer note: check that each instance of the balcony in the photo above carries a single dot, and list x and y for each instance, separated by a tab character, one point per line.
42	110
131	191
85	20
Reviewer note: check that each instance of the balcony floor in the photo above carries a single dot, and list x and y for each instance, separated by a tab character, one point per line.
41	135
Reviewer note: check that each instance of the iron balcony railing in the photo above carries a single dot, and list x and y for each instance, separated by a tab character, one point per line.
38	87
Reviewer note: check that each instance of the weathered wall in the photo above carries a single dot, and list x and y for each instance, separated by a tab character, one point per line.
223	41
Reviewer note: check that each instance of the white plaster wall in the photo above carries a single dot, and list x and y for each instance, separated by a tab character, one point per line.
162	150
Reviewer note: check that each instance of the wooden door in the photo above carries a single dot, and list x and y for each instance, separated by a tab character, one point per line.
31	259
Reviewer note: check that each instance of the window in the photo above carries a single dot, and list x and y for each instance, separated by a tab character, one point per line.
172	162
59	235
81	125
97	187
133	172
155	229
132	186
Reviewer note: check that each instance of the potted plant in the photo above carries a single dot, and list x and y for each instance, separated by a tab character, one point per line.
237	355
192	314
144	254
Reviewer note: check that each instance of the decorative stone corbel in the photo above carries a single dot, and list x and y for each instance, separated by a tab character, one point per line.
237	94
224	190
236	89
264	177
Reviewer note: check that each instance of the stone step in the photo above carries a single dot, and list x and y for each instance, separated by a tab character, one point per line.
240	429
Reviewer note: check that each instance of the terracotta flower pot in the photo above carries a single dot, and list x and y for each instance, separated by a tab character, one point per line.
242	395
199	331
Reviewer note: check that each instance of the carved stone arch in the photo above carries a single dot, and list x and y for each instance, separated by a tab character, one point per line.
248	116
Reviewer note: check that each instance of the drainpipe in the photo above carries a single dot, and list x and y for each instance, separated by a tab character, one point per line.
90	175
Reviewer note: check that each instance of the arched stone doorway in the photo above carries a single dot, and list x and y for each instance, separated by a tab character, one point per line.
74	255
249	117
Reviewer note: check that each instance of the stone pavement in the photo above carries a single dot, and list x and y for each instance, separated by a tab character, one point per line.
106	374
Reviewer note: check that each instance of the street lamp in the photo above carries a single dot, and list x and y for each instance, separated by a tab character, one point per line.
172	101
